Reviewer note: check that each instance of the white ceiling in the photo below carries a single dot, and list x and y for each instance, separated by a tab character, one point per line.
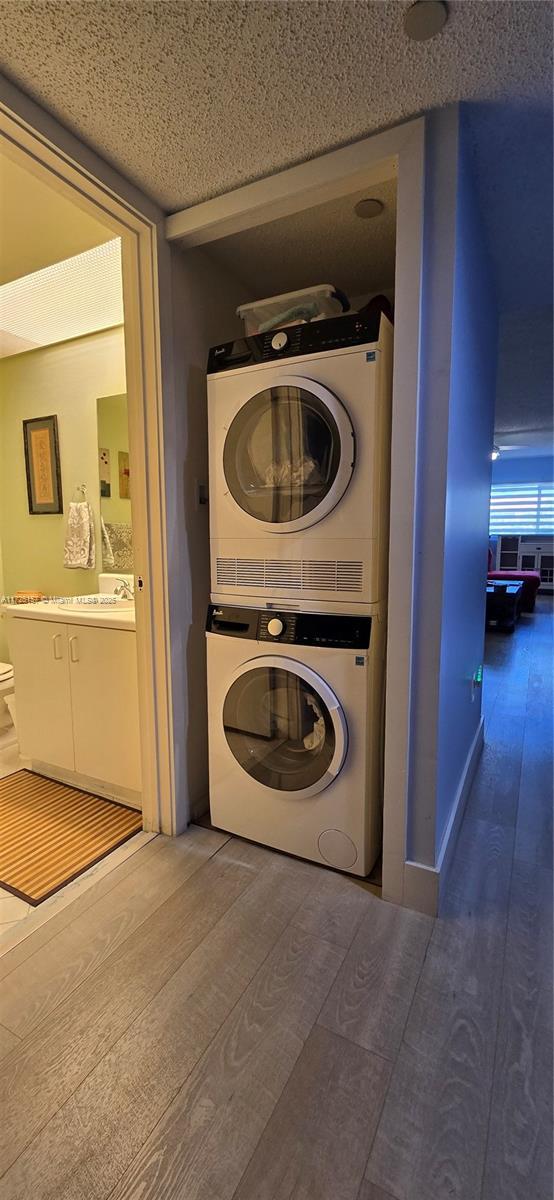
190	98
39	225
327	244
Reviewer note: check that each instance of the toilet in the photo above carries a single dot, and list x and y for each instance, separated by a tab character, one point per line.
7	693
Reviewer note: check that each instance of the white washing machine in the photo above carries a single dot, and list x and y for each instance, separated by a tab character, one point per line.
295	731
299	439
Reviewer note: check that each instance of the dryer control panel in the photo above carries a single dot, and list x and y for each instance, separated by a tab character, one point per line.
333	630
353	329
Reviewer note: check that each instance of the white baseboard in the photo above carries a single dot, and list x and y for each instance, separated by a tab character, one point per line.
450	836
424	885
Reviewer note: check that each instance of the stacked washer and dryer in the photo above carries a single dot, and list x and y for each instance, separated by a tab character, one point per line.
299	443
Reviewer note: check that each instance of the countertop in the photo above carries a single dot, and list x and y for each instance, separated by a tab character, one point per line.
88	613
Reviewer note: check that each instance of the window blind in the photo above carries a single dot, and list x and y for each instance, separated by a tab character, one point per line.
522	508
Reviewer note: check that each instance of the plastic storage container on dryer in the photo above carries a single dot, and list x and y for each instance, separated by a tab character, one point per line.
308	304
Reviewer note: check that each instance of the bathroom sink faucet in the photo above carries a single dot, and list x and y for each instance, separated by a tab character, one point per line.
124	590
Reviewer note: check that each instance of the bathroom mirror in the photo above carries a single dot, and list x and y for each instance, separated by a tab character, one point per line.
115	484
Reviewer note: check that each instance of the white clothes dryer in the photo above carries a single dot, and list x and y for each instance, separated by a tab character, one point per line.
299	440
295	731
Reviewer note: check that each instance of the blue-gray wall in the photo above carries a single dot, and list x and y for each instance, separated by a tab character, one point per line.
455	435
439	241
470	436
536	469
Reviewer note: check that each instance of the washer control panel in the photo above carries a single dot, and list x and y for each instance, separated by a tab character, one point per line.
277	627
333	630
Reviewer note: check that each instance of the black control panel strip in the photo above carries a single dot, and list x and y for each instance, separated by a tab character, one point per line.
352	329
334	630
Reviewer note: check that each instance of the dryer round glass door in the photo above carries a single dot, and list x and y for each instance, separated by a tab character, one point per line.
288	455
285	726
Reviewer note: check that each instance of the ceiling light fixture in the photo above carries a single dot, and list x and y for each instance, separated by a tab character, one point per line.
69	299
495	453
425	19
368	208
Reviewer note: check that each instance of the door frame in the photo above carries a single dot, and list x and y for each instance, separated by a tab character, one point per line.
145	267
398	152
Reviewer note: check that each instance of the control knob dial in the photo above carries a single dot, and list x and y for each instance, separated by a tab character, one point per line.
275	626
279	340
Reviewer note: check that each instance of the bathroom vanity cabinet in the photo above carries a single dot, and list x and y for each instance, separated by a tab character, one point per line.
77	702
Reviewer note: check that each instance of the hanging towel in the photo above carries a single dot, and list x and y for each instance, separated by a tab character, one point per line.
79	548
107	552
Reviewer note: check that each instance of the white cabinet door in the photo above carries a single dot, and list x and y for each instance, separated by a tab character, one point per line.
104	689
39	651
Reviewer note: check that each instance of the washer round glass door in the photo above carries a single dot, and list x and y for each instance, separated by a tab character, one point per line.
288	455
284	726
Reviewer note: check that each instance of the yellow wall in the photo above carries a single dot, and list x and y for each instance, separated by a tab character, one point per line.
4	656
66	380
113	435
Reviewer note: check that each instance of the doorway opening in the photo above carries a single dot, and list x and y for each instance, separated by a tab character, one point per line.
84	725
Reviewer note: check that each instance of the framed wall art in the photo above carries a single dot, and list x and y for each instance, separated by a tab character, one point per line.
42	464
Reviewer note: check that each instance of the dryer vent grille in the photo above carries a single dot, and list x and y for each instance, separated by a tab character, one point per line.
302	575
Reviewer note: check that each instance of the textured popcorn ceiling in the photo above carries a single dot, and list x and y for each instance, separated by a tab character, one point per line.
327	244
190	99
